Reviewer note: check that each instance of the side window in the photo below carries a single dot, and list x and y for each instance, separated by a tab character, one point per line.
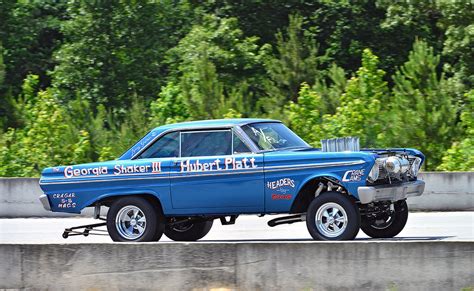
206	143
239	146
165	147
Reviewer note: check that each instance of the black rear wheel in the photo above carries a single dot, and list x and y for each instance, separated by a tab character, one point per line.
387	225
134	219
188	231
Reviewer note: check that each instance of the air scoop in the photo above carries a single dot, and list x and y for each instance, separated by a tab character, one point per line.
341	144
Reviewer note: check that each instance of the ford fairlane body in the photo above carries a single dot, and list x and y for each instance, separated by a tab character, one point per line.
179	178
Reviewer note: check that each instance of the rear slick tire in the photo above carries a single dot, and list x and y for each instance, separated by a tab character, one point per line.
134	219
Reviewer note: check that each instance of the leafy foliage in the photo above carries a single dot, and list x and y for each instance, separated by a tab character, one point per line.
423	107
295	62
305	115
359	112
115	50
214	63
46	138
82	81
460	157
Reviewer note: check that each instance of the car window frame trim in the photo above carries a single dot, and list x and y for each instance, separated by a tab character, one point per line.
236	128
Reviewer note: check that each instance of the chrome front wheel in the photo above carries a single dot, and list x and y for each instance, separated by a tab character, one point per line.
333	216
130	222
331	219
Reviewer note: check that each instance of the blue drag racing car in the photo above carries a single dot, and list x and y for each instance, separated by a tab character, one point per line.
179	178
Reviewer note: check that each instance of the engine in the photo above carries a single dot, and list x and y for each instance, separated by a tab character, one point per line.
392	165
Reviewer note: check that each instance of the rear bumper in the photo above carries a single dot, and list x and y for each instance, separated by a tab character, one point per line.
44	200
402	191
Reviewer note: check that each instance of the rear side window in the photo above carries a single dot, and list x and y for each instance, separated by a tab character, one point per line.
166	147
239	146
206	143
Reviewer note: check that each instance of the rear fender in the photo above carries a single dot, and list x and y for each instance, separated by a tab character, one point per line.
117	194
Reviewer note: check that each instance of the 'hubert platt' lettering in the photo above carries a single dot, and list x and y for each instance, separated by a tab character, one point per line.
229	163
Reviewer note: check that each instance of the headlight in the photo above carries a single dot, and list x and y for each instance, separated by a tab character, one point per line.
374	173
415	167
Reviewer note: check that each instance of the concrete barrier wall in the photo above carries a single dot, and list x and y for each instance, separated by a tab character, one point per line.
444	191
242	266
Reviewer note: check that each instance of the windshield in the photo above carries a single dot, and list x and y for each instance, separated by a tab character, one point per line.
273	136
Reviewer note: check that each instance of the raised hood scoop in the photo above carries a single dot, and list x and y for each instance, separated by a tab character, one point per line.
341	144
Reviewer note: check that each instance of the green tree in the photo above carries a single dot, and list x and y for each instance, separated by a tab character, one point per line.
423	110
109	136
170	107
341	28
295	62
201	89
360	112
460	156
447	26
3	118
259	18
114	51
458	26
330	87
215	69
2	66
46	138
305	115
29	33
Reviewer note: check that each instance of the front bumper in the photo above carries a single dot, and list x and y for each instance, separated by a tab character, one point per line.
368	194
44	200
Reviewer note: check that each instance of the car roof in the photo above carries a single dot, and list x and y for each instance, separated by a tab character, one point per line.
213	123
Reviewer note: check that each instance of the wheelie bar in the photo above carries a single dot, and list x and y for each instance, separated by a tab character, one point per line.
86	230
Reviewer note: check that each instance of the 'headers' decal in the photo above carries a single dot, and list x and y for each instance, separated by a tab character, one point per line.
282	186
281	183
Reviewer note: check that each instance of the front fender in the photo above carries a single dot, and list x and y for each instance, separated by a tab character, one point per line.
341	177
318	176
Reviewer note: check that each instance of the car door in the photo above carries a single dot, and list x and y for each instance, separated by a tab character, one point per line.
216	173
157	159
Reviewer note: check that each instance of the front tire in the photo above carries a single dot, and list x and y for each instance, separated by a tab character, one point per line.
333	216
389	226
134	219
188	231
